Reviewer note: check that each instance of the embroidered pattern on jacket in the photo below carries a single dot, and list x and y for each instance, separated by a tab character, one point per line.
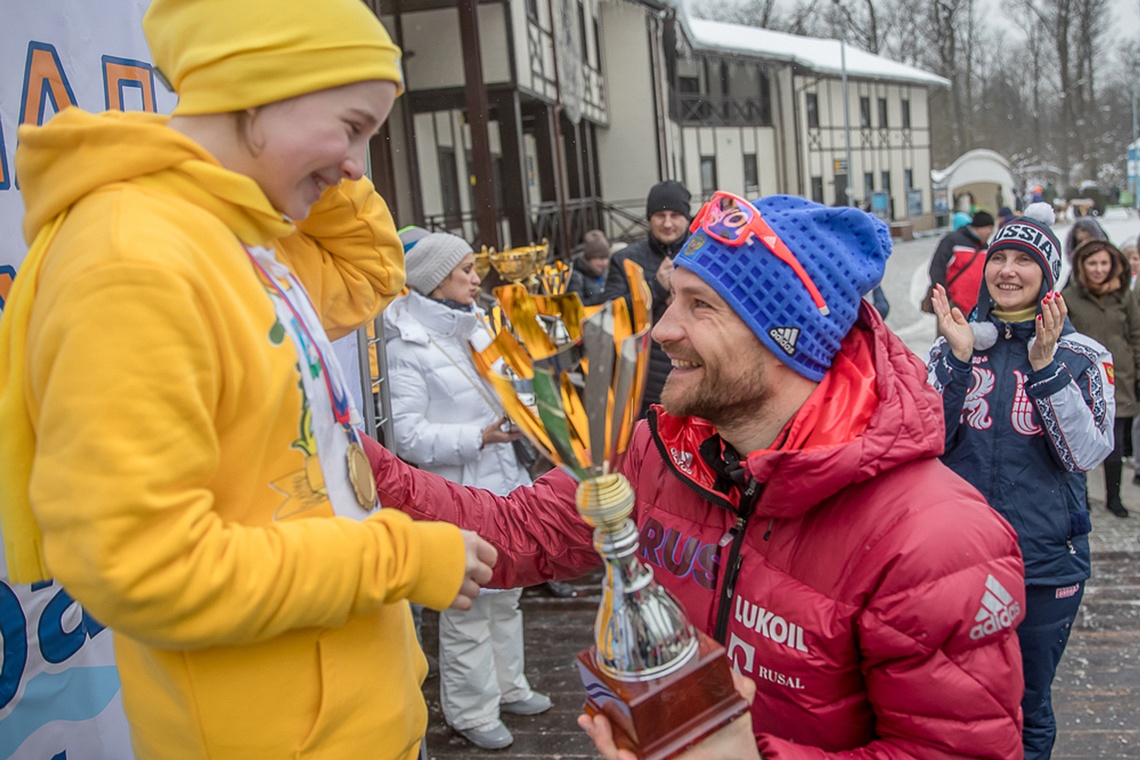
1021	413
976	410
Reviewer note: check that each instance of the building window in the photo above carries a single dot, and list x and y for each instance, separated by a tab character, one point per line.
906	113
865	111
817	189
708	175
812	110
883	113
908	178
449	188
868	185
582	31
751	174
886	182
532	9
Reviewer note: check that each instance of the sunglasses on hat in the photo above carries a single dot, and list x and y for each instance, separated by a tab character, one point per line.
731	220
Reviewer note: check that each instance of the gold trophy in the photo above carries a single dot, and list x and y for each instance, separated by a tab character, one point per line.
663	684
519	265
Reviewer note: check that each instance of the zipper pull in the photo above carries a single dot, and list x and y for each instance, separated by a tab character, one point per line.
1008	331
730	534
1069	543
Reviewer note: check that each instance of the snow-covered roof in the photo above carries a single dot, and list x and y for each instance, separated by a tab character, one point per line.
819	55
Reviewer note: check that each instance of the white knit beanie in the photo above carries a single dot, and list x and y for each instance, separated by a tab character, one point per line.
431	260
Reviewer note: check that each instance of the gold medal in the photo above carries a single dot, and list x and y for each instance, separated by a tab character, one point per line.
360	473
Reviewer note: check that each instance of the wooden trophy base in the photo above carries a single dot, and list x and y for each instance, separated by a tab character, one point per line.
660	719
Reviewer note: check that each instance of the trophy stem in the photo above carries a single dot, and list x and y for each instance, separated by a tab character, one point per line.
640	633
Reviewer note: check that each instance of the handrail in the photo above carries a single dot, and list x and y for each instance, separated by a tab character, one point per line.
614	218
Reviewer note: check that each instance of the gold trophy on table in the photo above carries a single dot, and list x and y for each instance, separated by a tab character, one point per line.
663	684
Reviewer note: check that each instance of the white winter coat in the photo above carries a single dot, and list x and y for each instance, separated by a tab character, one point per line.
437	413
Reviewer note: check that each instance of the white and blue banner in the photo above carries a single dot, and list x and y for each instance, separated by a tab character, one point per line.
59	688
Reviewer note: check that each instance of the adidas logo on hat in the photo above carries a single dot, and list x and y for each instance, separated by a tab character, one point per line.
785	338
998	611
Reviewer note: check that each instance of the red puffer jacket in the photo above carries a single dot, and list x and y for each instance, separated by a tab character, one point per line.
876	591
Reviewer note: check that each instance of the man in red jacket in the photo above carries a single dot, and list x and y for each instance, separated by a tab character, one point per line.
790	496
960	259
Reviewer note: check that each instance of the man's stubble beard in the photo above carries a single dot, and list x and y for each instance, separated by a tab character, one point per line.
720	402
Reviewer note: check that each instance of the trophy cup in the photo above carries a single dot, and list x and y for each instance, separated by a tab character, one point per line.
663	684
519	265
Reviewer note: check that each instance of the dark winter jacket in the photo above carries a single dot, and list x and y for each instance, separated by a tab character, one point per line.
862	601
648	254
591	289
1025	437
958	265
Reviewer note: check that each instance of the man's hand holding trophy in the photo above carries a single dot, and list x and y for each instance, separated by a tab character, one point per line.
662	685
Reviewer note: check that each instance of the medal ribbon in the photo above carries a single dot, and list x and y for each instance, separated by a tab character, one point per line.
339	404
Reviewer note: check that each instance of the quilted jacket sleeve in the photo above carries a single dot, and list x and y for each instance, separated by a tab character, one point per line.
536	529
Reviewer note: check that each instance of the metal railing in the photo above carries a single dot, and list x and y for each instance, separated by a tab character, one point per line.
622	221
701	109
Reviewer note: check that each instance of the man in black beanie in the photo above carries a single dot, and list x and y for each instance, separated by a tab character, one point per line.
668	212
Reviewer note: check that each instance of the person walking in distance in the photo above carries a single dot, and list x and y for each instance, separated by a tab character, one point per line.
958	261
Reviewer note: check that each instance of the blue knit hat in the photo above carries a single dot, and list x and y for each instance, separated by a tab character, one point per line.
844	251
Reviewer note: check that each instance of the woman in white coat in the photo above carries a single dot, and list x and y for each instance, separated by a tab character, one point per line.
448	421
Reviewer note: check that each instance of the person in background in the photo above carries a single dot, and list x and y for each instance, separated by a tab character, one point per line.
879	299
668	211
958	261
179	450
1102	307
1005	216
1133	439
789	480
588	278
448	421
1133	254
1084	228
1028	404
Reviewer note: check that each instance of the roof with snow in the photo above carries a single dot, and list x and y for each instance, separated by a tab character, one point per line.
819	55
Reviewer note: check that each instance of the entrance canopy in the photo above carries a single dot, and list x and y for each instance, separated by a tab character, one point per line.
982	174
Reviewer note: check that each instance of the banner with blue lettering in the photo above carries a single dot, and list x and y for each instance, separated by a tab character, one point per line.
59	688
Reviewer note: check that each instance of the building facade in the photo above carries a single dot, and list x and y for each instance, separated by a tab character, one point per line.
531	119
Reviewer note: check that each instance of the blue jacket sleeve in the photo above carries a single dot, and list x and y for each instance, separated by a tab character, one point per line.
1077	412
950	376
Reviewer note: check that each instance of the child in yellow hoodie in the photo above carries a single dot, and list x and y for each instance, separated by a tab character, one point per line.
178	447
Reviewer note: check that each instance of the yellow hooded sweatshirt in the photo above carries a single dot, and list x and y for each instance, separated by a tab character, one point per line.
169	452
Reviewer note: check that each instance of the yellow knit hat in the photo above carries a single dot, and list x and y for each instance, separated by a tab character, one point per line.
228	55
